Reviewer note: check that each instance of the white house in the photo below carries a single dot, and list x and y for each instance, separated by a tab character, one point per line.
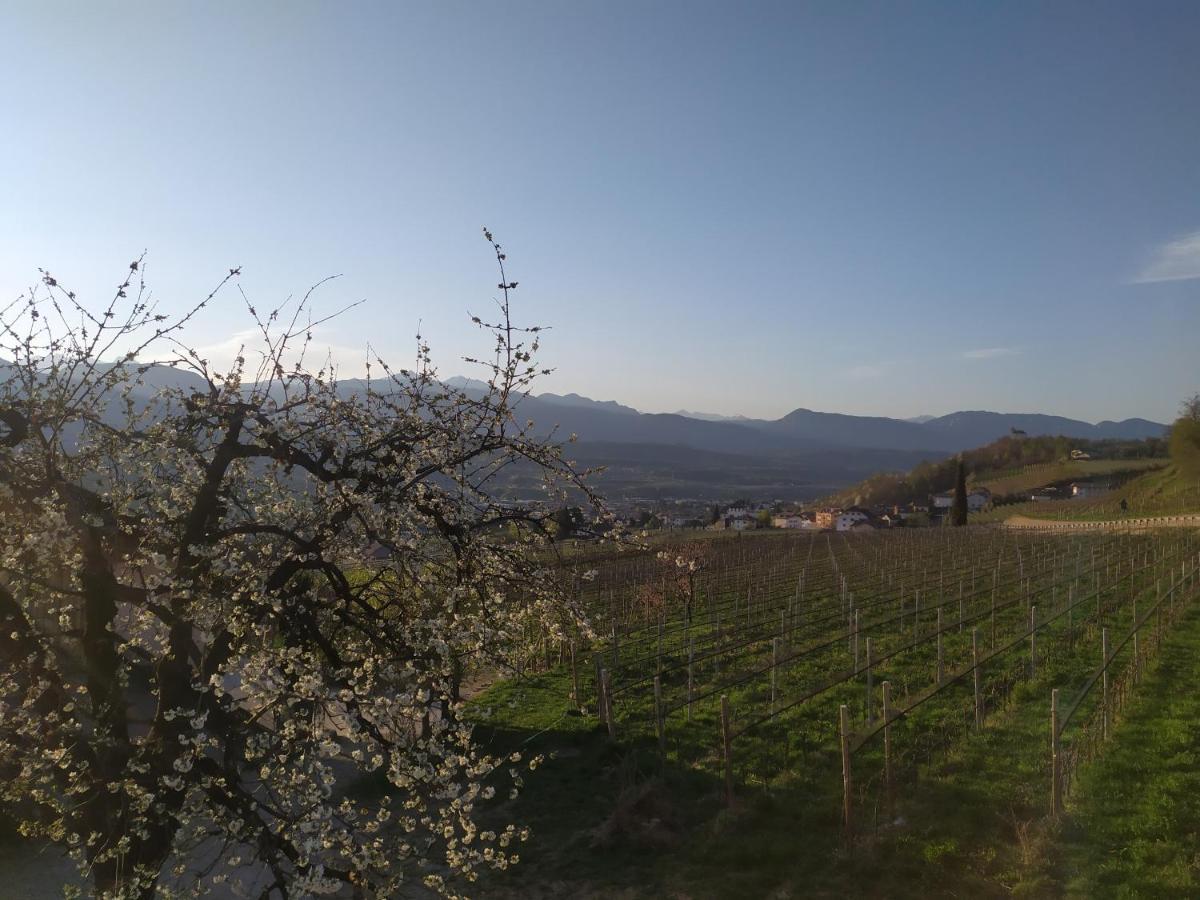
789	520
977	499
848	518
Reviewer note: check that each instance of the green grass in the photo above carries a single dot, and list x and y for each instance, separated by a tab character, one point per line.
958	833
610	819
1163	492
1134	829
1030	477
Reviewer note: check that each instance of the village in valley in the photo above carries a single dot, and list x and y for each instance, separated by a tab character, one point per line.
931	510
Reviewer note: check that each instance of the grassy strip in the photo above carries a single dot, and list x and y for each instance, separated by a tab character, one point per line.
1134	827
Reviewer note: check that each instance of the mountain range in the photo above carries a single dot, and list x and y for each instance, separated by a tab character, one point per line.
803	428
799	456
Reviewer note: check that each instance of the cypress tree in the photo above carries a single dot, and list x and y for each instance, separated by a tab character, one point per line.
959	516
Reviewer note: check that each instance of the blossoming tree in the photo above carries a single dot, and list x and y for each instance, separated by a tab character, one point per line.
197	656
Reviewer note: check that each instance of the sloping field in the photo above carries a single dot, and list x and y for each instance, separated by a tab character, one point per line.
1162	492
830	715
1030	477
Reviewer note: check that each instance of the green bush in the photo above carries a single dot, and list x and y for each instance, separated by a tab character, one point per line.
1185	446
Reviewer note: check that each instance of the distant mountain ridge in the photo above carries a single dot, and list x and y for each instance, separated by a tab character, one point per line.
807	429
672	454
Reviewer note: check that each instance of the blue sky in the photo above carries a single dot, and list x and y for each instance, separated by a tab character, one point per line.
887	209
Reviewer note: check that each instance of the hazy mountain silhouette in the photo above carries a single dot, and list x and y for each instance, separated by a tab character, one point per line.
803	452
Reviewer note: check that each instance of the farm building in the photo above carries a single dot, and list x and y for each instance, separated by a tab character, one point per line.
849	518
977	499
735	523
791	520
825	517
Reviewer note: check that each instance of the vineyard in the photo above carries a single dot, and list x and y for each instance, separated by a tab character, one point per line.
1163	492
829	672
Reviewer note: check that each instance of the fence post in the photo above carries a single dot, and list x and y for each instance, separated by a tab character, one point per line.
1137	659
599	687
940	658
659	725
691	656
1071	619
887	750
847	798
727	750
870	682
1033	641
994	612
1104	679
575	694
1055	759
975	672
774	668
856	639
606	694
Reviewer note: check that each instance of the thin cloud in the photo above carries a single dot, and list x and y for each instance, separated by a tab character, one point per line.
990	353
351	362
1178	260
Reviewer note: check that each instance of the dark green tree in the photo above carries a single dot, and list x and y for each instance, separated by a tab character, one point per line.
959	512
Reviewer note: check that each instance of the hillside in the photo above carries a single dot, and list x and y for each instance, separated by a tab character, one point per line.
1162	492
1006	466
802	455
1029	478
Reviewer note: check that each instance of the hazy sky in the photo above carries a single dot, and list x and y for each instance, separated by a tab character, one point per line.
883	208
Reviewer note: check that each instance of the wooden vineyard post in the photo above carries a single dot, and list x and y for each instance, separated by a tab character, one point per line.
575	693
606	694
616	642
1071	618
691	682
887	750
960	604
847	791
1055	759
916	613
658	653
727	750
774	668
1104	680
975	672
870	682
1033	641
856	639
994	614
599	687
659	725
1136	658
941	671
